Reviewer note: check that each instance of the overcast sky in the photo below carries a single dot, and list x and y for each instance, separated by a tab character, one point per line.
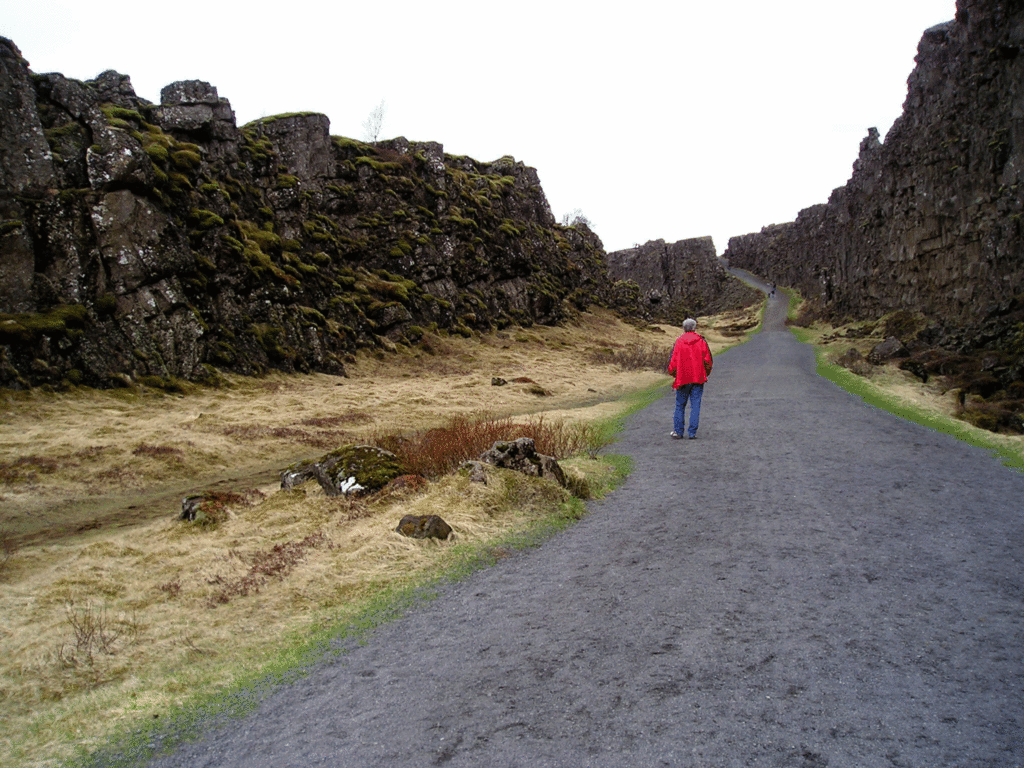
670	119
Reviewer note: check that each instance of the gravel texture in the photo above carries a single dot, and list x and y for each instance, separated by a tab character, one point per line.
812	582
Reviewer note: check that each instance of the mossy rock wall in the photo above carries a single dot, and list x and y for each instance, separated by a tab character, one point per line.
141	240
931	218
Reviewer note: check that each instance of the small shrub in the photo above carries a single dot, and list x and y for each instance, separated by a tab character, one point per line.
155	450
210	508
172	588
254	431
95	632
27	469
8	546
357	417
438	451
577	486
994	417
636	357
903	325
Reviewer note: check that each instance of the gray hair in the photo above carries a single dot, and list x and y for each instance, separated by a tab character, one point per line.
689	324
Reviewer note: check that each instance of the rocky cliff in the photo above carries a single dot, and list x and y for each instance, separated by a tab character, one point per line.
930	220
154	242
679	280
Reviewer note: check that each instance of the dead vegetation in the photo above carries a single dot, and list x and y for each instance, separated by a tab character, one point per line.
435	452
115	610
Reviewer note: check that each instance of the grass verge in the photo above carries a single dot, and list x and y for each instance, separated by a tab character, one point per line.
300	654
1009	450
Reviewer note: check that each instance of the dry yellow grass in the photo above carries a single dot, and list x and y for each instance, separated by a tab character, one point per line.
114	610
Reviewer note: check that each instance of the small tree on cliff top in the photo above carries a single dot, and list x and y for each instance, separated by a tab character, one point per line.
575	218
374	123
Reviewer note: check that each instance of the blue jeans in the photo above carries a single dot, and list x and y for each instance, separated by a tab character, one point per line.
691	393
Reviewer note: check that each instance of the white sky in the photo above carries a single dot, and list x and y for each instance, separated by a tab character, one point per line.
658	119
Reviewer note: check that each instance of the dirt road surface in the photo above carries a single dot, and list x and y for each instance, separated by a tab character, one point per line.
812	582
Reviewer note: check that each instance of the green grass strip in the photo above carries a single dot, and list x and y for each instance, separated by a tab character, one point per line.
1011	456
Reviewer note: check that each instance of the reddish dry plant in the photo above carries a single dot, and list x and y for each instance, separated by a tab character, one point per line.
278	561
436	452
120	475
635	357
27	469
250	432
391	155
214	504
172	588
321	439
91	451
355	417
155	450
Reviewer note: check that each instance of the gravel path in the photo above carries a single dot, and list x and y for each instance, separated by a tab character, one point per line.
812	582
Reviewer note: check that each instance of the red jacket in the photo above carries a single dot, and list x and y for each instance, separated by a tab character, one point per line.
691	360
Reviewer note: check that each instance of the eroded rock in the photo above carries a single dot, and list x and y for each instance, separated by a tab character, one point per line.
521	455
681	279
930	220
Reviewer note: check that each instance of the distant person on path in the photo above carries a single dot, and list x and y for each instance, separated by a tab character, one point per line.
690	363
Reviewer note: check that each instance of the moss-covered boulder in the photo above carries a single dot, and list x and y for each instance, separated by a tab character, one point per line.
349	470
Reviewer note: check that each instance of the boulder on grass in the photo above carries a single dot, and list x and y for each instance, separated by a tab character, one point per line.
853	361
347	471
887	350
424	527
521	455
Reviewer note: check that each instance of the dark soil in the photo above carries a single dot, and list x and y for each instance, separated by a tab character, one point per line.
812	582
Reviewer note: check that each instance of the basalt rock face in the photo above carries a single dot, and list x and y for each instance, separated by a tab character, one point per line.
930	220
152	242
679	280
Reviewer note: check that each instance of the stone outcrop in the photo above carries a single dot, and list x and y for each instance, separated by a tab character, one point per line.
679	280
930	220
150	243
521	455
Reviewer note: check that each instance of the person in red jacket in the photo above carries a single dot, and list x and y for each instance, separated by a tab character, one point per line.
690	363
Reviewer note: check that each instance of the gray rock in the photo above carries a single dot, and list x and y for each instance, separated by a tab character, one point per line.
521	455
887	350
142	240
25	162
